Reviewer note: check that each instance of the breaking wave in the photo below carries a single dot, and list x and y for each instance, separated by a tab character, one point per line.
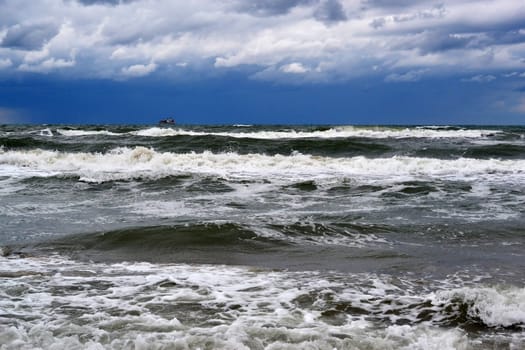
140	162
77	132
492	307
332	132
335	132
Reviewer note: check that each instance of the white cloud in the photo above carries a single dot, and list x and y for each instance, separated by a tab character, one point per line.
41	63
37	55
47	65
139	70
294	68
404	39
480	79
407	77
510	75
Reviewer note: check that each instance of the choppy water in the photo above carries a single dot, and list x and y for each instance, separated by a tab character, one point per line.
262	237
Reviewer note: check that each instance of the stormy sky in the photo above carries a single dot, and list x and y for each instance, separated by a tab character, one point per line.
289	61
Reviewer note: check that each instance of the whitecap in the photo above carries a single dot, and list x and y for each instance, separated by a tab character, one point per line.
128	163
496	307
334	132
78	132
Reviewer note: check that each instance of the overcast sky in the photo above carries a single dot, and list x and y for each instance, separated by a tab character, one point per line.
289	61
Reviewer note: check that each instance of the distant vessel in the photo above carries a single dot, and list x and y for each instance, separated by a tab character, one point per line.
167	121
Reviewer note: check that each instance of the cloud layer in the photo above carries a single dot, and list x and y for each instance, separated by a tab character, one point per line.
277	40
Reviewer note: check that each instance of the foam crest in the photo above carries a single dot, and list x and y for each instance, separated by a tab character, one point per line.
336	132
127	163
46	132
77	132
496	307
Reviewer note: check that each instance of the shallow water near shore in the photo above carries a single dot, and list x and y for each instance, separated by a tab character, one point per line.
262	237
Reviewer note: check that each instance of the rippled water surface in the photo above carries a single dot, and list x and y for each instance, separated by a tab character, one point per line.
262	237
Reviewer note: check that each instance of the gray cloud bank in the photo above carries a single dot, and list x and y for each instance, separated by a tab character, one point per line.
278	40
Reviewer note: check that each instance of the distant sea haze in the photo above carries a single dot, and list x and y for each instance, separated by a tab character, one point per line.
262	237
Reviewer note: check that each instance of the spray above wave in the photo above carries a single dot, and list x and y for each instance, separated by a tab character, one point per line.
128	163
334	132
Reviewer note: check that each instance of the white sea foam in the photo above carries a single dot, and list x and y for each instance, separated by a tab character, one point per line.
496	307
79	132
126	163
58	303
339	239
336	132
46	132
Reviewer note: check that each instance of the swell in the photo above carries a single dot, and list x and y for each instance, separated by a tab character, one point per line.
506	151
329	147
334	147
321	147
200	143
27	143
159	243
269	246
36	142
210	235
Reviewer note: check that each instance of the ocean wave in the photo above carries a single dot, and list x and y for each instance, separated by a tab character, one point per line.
46	132
140	162
335	132
79	132
493	307
54	301
324	133
177	242
26	142
142	242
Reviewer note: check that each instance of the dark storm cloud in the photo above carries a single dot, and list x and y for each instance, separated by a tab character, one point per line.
29	37
440	41
272	7
330	11
508	37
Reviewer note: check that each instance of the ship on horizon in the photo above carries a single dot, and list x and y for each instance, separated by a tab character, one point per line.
167	121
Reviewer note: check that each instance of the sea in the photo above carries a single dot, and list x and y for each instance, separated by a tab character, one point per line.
262	237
